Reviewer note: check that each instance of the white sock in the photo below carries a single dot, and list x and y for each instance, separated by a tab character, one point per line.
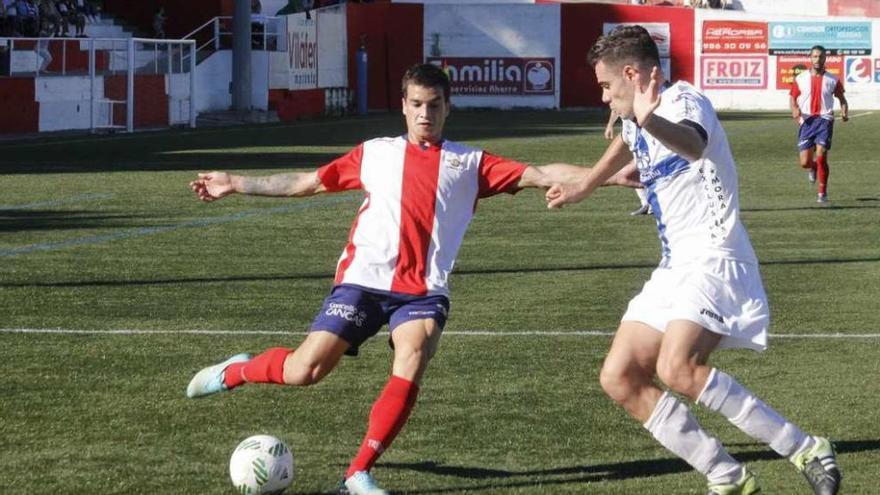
643	196
676	428
750	414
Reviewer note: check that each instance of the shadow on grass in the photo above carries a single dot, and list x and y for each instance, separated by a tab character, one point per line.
590	473
12	220
329	275
263	147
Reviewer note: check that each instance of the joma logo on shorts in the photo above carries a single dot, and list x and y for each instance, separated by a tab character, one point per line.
347	312
712	314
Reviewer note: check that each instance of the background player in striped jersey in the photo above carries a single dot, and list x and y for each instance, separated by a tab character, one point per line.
706	292
421	193
812	107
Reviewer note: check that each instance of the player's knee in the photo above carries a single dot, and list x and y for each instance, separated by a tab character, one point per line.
677	374
616	383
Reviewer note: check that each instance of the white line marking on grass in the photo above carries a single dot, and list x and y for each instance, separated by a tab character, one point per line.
459	333
856	115
48	204
144	231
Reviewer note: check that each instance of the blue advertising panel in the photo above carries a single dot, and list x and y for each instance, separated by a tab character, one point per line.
839	38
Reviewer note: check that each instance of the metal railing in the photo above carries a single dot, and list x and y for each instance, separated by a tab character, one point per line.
216	34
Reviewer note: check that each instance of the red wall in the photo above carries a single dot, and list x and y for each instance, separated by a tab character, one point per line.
292	105
77	60
858	8
150	101
582	26
394	42
21	111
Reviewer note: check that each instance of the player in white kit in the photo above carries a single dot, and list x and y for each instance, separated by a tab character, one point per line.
707	291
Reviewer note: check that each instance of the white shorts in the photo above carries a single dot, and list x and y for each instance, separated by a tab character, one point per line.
723	296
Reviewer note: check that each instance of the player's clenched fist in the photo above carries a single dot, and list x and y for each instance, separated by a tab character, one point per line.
561	194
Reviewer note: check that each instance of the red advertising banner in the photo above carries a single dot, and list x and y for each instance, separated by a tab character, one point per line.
734	37
499	76
789	66
728	72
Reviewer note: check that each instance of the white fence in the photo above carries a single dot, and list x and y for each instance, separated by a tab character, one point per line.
90	83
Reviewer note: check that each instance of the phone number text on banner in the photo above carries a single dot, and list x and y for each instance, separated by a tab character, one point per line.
734	37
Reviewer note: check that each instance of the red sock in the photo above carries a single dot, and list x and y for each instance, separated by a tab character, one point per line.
823	173
389	414
267	367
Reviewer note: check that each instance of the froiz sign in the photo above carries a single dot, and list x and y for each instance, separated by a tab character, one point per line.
498	76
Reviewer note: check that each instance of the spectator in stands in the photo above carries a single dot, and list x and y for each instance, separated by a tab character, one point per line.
63	17
85	8
50	18
13	27
79	18
159	23
27	18
42	48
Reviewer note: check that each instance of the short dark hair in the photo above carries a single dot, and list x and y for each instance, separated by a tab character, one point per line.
427	76
818	47
625	44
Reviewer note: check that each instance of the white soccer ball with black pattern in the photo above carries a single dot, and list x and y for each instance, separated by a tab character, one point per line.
261	465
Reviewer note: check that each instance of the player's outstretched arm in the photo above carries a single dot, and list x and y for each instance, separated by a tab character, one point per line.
552	173
212	186
615	157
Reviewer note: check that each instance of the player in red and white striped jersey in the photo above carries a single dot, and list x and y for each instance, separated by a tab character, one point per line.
812	107
421	192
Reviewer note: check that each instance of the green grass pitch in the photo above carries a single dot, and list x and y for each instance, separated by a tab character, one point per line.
102	234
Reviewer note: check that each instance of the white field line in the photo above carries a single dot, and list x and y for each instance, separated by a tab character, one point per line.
856	115
462	333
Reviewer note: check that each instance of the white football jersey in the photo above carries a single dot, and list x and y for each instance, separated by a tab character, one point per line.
695	203
419	203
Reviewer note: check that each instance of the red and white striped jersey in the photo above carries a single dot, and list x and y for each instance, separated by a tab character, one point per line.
419	202
815	93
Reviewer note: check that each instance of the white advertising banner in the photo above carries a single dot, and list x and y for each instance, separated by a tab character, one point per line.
758	80
498	56
296	67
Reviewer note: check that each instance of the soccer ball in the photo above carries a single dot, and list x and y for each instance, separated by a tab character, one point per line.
261	465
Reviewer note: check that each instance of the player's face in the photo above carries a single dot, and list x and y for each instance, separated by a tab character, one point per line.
426	111
817	57
618	86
